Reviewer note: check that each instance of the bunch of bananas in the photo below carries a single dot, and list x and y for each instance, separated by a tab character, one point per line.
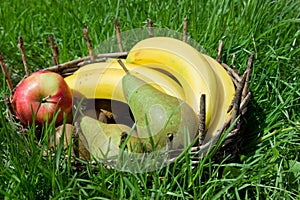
171	66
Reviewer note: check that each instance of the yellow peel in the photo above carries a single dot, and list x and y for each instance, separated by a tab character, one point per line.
226	92
104	80
186	64
198	74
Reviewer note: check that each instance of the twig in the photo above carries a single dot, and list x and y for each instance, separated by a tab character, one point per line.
5	72
68	64
54	50
238	97
91	62
88	43
150	28
112	55
219	56
245	101
225	125
202	118
117	26
65	74
169	142
185	29
249	71
235	76
24	58
232	61
124	135
232	72
74	63
68	70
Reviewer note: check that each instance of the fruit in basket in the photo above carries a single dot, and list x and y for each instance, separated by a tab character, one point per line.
42	96
177	67
104	140
65	136
197	73
103	80
158	115
185	63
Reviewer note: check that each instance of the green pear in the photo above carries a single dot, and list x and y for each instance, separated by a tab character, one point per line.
159	117
104	140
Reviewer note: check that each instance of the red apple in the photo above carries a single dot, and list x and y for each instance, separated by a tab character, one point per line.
42	94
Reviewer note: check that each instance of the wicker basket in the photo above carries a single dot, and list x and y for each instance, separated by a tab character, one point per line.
230	143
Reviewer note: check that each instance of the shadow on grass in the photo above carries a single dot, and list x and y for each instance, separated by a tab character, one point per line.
254	120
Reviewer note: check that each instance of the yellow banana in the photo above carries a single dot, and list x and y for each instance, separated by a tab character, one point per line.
104	80
194	72
169	65
226	91
184	62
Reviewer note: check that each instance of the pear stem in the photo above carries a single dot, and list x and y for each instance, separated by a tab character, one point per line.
123	66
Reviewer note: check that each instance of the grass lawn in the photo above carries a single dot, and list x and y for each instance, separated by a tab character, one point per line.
268	166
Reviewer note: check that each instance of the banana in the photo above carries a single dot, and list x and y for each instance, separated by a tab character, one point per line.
104	80
171	66
196	73
226	92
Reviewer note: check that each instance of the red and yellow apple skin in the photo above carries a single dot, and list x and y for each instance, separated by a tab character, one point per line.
42	95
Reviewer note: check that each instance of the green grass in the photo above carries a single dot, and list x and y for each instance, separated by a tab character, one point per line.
269	164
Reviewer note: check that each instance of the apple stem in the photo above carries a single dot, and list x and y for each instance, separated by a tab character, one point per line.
4	70
24	58
123	66
46	98
117	26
